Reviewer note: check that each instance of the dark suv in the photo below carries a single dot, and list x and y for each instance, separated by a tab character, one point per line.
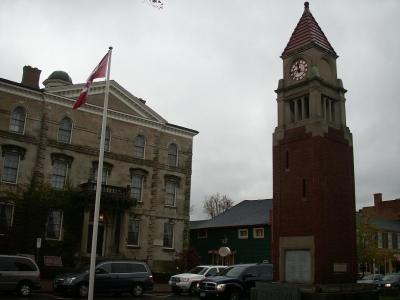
111	277
234	282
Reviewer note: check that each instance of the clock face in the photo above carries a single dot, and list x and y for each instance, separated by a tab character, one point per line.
299	69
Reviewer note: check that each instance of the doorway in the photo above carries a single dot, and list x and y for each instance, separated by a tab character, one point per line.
100	240
298	266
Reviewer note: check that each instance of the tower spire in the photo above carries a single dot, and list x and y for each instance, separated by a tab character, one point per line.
307	34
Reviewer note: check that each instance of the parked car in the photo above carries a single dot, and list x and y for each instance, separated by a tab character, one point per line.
235	281
390	283
186	282
371	279
110	277
20	274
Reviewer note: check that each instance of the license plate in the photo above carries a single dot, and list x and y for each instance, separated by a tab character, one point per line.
202	294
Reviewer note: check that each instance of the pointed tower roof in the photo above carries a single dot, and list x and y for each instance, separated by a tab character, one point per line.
307	34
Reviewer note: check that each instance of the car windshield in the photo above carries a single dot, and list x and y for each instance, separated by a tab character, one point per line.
368	277
82	268
198	270
391	277
233	271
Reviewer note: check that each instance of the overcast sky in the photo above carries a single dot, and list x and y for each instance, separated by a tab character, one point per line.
213	66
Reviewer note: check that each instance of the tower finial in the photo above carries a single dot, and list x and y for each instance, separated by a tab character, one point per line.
306	5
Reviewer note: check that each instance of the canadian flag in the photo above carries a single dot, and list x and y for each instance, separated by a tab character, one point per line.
98	72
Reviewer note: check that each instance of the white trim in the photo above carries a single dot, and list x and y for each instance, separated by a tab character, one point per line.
61	226
26	114
177	154
255	236
138	239
173	236
2	169
58	130
242	237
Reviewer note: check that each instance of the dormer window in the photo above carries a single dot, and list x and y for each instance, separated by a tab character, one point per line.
299	109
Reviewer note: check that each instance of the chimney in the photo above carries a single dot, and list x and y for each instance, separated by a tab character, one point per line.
30	77
377	199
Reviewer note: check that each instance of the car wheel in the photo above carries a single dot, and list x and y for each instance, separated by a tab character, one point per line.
83	290
234	294
137	290
192	289
24	289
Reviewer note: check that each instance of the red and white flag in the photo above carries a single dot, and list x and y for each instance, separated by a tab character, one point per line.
98	72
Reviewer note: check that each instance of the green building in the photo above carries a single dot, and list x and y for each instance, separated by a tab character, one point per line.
241	234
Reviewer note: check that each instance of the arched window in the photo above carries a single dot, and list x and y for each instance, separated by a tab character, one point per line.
172	155
138	148
65	130
17	122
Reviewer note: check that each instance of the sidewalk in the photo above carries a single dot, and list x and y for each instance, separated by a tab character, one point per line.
47	287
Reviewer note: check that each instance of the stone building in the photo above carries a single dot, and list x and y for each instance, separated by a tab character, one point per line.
383	219
147	162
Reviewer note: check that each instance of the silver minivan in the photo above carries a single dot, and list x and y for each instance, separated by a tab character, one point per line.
20	274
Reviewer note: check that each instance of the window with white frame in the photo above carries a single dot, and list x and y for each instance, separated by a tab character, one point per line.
258	233
137	187
243	234
10	166
138	146
17	121
59	174
133	231
6	216
104	176
168	241
65	130
170	192
54	225
172	155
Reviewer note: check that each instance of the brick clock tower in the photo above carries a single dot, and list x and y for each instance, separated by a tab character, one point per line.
313	175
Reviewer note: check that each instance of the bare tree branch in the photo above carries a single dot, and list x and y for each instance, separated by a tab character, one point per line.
216	204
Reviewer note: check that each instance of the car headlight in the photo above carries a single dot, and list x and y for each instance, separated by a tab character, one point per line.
220	287
388	285
69	280
198	285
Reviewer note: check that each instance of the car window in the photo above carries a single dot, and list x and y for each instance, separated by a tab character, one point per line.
233	271
265	272
120	268
103	269
212	272
22	264
198	270
7	264
251	271
133	268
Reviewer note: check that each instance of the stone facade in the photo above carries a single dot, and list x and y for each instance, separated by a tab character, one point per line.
42	142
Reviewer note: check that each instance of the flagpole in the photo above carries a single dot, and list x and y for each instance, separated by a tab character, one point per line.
99	181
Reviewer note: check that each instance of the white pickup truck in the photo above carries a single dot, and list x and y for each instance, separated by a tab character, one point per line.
186	282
